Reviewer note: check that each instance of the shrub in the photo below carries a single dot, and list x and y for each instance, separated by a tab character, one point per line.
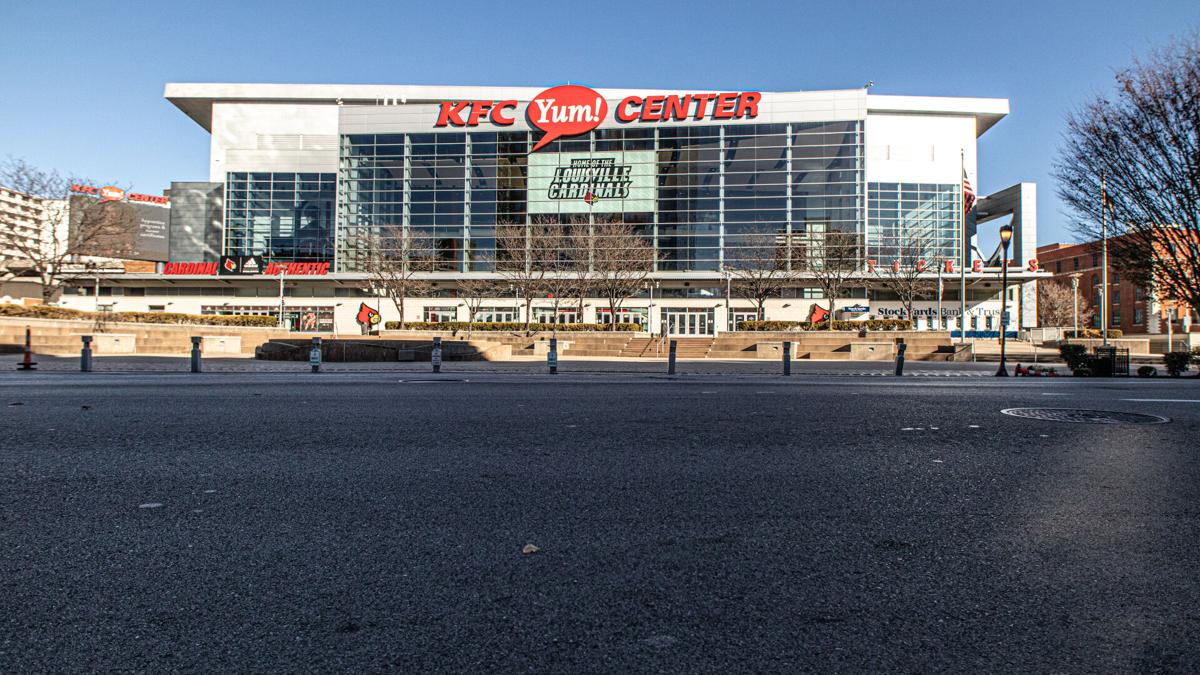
1147	371
1176	362
1094	333
1075	356
174	318
1081	372
456	326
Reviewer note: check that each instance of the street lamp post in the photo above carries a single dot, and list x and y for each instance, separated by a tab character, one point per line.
1006	233
281	297
1075	303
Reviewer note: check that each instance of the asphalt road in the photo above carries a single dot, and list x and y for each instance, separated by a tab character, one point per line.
356	522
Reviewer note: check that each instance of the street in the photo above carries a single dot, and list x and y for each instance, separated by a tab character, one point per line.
370	521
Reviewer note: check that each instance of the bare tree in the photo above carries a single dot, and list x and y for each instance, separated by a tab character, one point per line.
833	259
563	261
621	260
473	293
762	264
1139	150
64	228
393	256
1056	304
906	274
524	257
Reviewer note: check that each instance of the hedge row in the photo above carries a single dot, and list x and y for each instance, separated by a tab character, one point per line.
869	324
47	312
1094	333
509	326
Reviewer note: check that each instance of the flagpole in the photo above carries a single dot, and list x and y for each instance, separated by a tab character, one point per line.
962	263
941	318
1104	261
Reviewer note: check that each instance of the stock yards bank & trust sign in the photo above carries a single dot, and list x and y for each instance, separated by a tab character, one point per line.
596	182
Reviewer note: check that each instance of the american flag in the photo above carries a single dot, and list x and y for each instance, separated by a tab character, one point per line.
968	194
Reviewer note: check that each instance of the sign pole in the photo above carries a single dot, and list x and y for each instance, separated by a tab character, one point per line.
962	266
1104	261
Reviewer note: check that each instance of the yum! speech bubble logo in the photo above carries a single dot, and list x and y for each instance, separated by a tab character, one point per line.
565	110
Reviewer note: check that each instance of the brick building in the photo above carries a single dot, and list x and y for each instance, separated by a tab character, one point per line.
1132	308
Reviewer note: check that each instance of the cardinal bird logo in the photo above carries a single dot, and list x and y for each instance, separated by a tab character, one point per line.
590	198
818	314
367	316
230	265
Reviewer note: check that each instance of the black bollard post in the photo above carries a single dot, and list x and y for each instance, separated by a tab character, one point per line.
27	362
85	356
900	356
436	357
552	356
314	355
671	359
196	353
787	358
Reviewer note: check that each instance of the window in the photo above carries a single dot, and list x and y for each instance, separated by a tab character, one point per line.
902	214
1095	260
1075	262
280	216
1115	277
1116	316
1139	316
1058	267
457	187
1116	297
440	314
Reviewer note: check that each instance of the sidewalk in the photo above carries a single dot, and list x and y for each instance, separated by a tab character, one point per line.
177	364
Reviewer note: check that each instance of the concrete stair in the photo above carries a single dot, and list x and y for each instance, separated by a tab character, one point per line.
62	337
642	347
692	347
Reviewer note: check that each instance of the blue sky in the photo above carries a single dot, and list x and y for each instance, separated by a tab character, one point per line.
82	84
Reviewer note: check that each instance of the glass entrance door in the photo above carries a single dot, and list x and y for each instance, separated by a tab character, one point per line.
688	321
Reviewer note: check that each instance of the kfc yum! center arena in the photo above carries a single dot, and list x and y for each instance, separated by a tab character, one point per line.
300	176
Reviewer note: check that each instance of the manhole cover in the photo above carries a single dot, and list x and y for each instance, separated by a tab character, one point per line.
1085	416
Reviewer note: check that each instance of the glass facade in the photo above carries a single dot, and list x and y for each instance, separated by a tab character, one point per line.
913	221
715	191
281	216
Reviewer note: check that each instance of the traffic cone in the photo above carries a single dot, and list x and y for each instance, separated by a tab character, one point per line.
28	363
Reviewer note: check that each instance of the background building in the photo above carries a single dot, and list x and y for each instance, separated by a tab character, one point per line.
1134	308
303	173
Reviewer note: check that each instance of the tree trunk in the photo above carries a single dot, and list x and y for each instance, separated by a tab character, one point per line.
832	304
400	306
528	311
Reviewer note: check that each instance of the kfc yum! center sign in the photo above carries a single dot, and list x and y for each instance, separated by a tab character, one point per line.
570	110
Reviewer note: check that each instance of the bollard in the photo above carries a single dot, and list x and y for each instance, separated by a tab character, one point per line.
314	355
436	357
27	363
671	359
85	356
196	353
787	358
900	356
552	356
